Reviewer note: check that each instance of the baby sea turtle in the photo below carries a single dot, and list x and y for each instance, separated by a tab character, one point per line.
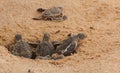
45	47
20	48
69	45
36	50
54	13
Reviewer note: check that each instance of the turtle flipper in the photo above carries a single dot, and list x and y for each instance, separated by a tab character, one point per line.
34	44
57	56
40	10
59	18
56	43
44	58
35	48
39	18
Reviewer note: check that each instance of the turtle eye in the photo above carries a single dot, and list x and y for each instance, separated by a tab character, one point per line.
46	14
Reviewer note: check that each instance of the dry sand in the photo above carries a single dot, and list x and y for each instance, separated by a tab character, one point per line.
98	53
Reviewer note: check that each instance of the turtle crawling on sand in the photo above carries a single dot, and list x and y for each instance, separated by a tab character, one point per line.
20	48
53	14
45	48
69	45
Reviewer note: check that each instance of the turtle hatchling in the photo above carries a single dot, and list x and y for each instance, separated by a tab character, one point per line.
45	48
20	48
53	14
69	45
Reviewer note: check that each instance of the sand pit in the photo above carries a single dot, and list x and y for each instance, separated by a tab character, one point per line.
98	53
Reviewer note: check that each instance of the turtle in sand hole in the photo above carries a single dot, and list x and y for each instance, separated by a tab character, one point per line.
69	46
45	48
20	48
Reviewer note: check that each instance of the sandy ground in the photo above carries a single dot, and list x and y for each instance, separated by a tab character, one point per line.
98	53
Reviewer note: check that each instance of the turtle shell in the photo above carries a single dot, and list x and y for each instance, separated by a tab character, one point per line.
46	48
52	12
20	47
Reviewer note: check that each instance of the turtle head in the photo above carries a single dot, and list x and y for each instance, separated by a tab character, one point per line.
77	37
18	37
81	36
40	10
46	37
64	17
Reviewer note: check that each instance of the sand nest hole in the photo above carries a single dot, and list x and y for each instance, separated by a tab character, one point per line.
45	49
